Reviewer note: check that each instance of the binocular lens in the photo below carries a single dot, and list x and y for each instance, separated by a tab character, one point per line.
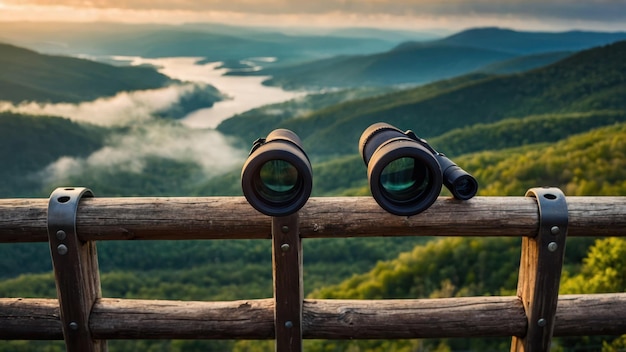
461	184
278	181
465	187
277	178
403	179
406	174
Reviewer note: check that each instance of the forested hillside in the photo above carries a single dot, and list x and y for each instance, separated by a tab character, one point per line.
418	62
588	81
410	65
29	76
528	42
28	143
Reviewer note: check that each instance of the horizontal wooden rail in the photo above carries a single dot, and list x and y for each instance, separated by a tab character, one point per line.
38	319
25	220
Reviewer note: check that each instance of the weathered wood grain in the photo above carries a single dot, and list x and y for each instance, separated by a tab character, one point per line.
149	218
158	319
577	315
421	318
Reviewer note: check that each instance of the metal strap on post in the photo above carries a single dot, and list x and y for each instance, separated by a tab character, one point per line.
75	266
288	286
540	270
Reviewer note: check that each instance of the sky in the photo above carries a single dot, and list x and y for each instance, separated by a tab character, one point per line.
448	15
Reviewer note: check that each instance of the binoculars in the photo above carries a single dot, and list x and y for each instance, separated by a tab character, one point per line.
405	173
277	178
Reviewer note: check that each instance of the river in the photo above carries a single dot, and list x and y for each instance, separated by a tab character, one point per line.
244	92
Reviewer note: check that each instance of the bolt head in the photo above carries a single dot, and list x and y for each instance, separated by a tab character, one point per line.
284	247
555	230
61	235
62	249
288	324
552	246
285	229
541	322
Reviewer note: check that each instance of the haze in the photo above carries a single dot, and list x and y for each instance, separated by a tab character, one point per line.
448	16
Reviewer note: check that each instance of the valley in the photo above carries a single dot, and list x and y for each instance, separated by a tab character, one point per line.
520	110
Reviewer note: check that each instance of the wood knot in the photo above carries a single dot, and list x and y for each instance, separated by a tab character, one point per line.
346	316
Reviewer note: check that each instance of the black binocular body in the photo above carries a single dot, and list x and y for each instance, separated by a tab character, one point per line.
405	173
277	178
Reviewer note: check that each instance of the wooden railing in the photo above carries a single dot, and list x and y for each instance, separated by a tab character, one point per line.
72	222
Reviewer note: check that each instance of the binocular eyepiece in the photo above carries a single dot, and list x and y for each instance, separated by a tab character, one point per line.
406	174
277	178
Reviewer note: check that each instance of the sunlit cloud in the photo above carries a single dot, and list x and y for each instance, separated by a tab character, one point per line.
452	14
108	111
128	152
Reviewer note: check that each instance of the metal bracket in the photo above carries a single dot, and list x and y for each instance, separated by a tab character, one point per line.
75	266
288	287
540	269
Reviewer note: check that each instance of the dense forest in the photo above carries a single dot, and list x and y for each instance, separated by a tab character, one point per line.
561	125
26	76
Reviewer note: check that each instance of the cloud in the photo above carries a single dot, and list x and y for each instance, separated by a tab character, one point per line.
110	111
447	17
142	137
127	152
572	9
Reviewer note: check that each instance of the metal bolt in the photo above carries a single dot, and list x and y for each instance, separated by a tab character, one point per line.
541	322
552	246
284	247
288	324
285	228
555	230
61	235
73	326
62	249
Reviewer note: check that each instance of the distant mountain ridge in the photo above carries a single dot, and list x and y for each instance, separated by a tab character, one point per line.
523	42
26	75
427	61
215	42
405	66
588	81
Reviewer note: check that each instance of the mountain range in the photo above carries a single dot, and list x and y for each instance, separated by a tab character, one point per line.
426	61
589	80
215	42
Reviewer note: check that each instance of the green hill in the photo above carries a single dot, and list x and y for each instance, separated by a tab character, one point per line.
516	132
414	65
588	81
525	42
416	62
28	143
525	63
592	163
29	76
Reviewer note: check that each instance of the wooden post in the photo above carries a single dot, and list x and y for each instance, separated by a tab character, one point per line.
76	273
288	288
540	270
